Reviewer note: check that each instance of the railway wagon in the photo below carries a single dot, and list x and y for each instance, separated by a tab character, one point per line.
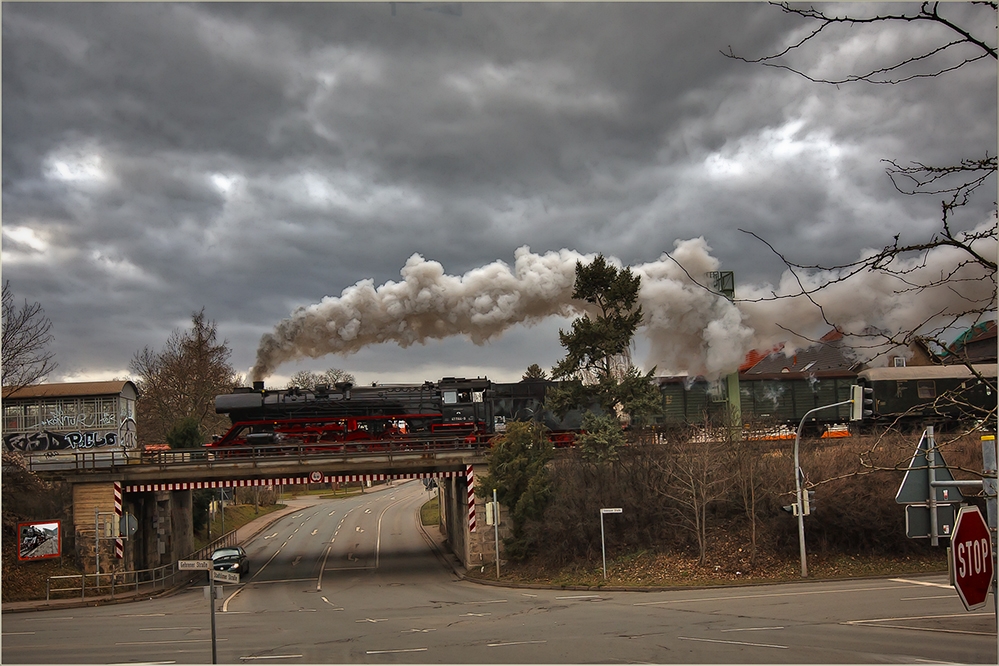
764	400
931	394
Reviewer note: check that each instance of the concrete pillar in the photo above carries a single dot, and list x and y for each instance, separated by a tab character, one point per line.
182	523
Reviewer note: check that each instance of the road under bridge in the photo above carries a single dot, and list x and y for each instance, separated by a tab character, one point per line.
156	488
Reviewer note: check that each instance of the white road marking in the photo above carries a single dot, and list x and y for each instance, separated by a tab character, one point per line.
271	536
332	512
319	580
751	629
514	643
18	633
296	560
358	529
525	594
492	601
189	640
582	596
272	656
393	651
416	631
921	582
880	622
330	603
713	640
938	596
166	629
368	619
764	596
474	614
314	532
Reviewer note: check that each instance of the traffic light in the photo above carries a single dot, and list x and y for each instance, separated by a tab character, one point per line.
808	502
862	398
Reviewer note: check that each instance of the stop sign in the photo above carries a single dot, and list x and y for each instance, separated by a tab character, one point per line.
971	557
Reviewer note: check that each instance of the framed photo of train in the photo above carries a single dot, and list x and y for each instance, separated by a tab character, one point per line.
39	540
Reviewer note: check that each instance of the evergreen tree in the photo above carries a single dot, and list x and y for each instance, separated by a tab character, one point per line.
597	366
185	434
517	470
534	371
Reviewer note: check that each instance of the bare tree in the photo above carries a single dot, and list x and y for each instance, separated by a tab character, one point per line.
966	34
26	359
696	475
182	380
958	44
310	380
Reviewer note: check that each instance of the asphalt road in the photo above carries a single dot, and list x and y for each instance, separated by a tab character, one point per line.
354	580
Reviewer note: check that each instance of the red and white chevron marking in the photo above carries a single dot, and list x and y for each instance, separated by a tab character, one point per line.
470	484
119	544
284	481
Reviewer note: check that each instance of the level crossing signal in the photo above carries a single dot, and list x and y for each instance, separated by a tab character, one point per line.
862	402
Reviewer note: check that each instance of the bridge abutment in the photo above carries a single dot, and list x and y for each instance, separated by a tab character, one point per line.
165	527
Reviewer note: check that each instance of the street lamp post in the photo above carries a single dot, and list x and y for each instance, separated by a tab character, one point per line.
797	483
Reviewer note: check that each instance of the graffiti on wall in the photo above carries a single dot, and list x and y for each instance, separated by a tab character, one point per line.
46	440
55	417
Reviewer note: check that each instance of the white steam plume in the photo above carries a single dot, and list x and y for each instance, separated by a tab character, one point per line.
690	329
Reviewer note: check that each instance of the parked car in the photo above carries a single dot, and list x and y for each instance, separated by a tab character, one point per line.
232	558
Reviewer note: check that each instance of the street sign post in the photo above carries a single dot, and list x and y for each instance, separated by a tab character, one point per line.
603	548
225	577
971	558
194	565
919	526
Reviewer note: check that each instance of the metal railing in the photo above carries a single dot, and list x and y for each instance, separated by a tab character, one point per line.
132	582
429	446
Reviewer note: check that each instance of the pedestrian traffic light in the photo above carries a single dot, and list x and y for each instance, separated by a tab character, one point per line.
862	399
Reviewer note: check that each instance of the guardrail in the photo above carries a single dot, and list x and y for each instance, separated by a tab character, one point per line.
158	578
426	446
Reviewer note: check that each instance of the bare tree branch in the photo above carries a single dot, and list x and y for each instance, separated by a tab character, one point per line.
26	359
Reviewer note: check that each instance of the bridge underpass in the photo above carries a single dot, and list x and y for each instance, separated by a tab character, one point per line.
157	489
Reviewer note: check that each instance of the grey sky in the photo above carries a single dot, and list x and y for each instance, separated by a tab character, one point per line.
254	159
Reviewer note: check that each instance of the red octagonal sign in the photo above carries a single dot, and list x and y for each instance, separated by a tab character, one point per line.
971	557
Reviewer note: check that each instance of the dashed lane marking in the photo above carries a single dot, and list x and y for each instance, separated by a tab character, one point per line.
714	640
423	649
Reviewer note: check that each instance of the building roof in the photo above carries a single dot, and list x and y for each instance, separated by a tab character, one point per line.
977	345
72	389
826	358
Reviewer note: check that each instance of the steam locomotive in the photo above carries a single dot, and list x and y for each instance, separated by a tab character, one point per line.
458	411
344	417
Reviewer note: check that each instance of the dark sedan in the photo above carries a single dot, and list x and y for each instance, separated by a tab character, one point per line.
231	559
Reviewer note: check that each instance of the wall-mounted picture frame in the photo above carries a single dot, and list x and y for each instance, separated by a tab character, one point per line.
39	540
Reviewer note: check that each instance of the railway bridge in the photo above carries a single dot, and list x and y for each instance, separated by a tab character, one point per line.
156	488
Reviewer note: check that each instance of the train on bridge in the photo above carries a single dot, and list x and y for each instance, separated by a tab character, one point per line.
458	411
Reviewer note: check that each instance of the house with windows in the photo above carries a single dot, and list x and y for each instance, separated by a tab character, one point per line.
76	416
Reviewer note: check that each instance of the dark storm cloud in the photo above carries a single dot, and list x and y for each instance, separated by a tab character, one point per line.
254	158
